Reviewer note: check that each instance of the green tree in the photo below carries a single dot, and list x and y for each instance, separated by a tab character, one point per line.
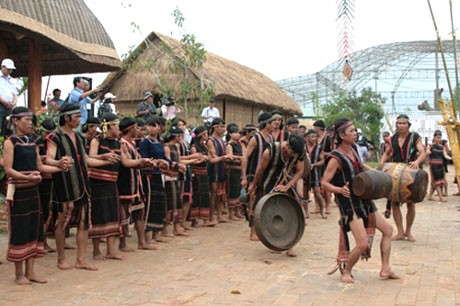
363	109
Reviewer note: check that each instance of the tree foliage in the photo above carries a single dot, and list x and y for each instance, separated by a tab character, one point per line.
363	109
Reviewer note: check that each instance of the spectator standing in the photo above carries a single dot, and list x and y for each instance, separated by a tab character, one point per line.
55	104
8	91
146	107
169	109
209	113
81	95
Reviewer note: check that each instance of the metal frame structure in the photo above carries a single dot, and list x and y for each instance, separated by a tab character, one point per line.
404	73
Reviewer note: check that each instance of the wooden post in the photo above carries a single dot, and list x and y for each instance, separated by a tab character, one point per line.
452	127
35	74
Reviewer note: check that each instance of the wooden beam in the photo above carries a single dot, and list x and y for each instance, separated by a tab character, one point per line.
35	74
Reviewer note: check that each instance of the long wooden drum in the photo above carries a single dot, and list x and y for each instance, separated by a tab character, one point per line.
372	184
409	185
279	221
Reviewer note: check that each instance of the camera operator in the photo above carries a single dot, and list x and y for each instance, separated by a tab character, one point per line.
146	107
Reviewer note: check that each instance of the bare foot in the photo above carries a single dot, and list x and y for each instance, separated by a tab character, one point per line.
388	275
98	256
115	257
22	280
222	220
211	223
315	212
147	246
291	253
274	252
167	235
443	200
86	266
328	211
398	237
35	279
456	194
347	278
126	249
254	238
159	239
410	238
323	216
430	199
181	233
187	228
64	266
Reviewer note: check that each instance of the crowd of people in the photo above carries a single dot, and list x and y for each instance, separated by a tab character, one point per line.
99	175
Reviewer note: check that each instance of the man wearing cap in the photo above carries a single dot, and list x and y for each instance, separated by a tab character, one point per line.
404	147
210	112
81	95
146	107
109	98
8	91
251	161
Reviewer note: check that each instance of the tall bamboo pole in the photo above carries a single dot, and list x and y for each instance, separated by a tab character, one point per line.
454	41
441	49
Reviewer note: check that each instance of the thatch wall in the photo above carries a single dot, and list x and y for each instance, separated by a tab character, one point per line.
241	92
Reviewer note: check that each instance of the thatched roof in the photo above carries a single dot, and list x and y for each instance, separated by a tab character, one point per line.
229	79
74	41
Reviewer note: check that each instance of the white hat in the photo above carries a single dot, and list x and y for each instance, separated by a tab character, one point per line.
109	96
8	63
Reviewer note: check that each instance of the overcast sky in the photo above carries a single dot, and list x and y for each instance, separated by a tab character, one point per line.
281	39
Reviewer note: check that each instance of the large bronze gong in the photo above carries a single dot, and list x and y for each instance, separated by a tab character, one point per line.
279	221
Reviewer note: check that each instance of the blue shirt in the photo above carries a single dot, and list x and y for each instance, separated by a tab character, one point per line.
75	98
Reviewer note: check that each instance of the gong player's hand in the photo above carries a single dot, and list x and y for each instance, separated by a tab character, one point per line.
413	165
281	188
345	191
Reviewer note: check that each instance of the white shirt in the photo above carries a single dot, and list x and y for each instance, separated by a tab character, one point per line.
113	108
7	87
207	111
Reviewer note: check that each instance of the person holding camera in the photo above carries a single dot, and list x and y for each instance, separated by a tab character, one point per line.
81	94
146	107
169	109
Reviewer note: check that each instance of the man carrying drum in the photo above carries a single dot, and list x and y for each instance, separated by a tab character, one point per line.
357	215
405	147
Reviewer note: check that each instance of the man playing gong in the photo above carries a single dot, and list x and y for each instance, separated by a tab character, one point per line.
404	147
277	167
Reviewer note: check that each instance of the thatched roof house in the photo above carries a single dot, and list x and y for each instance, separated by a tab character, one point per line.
240	91
72	40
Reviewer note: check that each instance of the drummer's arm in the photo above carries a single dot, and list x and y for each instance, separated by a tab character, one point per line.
386	155
421	157
332	167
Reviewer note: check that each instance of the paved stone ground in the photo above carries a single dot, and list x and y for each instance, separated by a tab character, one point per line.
220	266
